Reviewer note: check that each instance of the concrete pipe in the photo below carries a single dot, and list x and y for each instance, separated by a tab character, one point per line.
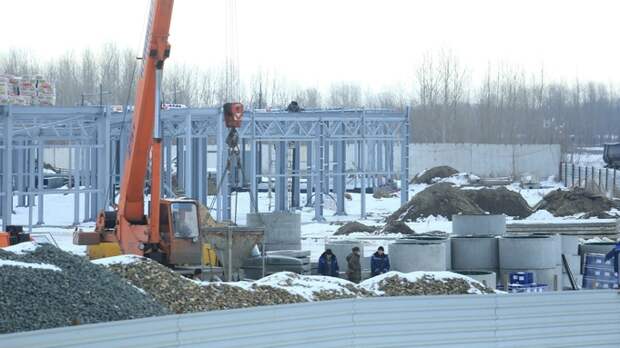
570	245
282	229
489	279
482	224
414	256
475	253
433	239
537	254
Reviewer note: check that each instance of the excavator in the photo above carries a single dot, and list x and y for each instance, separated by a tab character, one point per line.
170	232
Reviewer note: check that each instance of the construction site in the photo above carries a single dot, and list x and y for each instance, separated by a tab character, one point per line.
161	224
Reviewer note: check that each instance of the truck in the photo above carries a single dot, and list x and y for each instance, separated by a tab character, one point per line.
611	155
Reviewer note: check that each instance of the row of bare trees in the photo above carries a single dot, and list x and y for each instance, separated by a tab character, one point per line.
505	105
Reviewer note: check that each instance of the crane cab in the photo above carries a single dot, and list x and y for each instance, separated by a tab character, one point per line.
179	231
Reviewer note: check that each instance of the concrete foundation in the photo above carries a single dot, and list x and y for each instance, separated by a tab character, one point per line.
282	229
489	279
472	253
414	255
476	225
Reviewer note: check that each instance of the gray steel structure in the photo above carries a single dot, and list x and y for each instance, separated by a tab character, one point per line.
96	140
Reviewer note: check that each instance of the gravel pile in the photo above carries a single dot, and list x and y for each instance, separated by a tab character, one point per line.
73	292
429	176
314	288
578	201
424	283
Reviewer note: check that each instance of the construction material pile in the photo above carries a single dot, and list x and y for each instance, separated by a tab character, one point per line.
183	295
424	283
578	202
26	90
500	201
353	227
44	287
431	176
442	199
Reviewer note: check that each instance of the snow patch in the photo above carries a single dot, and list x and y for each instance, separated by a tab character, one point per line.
45	266
118	260
22	248
541	215
307	286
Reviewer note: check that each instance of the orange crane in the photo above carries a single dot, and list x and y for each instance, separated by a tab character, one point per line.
170	232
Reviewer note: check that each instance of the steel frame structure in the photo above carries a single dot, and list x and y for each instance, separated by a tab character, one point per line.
96	140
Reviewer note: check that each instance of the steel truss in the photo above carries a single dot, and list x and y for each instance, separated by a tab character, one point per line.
95	140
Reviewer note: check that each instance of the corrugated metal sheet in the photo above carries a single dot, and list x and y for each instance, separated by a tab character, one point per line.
562	319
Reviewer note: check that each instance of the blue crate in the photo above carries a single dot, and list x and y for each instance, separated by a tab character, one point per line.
598	261
601	273
522	278
593	283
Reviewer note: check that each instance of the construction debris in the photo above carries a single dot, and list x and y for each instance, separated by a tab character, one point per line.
442	199
500	201
353	227
578	202
45	287
424	283
430	176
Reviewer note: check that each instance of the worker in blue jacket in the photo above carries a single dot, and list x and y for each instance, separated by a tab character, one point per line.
379	262
328	265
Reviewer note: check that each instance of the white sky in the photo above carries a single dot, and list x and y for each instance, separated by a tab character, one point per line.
315	42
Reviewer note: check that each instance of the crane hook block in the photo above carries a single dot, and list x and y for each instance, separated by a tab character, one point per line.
233	115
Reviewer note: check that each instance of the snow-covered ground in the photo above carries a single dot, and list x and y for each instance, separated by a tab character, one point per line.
59	210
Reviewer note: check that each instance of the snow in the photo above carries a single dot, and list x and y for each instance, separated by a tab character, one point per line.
48	171
118	260
45	266
541	215
306	286
22	248
460	179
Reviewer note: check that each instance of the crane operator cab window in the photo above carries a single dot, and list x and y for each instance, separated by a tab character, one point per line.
185	220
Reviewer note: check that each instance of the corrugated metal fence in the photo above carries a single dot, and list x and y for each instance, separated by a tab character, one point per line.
608	180
560	319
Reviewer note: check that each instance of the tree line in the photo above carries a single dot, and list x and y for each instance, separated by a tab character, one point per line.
506	105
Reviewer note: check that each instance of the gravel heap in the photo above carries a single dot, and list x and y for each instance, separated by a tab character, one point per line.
442	199
78	293
500	201
578	201
430	175
314	288
352	227
424	283
183	295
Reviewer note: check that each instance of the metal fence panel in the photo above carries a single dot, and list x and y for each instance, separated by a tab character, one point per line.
554	319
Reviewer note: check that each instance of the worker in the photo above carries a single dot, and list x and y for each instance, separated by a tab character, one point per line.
354	269
379	262
294	107
328	265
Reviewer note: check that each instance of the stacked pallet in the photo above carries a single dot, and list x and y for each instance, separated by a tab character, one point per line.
26	90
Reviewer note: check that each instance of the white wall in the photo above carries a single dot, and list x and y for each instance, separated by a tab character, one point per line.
488	160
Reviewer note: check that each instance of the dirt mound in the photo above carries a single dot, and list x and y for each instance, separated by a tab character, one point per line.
427	176
352	227
441	199
577	201
500	201
396	226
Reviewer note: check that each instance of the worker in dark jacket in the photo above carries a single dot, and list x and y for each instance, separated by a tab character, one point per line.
354	268
379	262
328	265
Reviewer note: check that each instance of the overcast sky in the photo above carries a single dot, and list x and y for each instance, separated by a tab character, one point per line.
314	42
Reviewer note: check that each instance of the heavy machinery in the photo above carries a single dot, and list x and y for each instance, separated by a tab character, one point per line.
169	233
611	155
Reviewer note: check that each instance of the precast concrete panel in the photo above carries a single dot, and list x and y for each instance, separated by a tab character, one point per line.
282	229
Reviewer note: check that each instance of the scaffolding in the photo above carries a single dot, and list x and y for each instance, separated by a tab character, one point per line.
322	153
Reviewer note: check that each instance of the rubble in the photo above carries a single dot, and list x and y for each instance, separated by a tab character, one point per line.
500	201
578	202
45	287
424	283
430	175
352	227
442	199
